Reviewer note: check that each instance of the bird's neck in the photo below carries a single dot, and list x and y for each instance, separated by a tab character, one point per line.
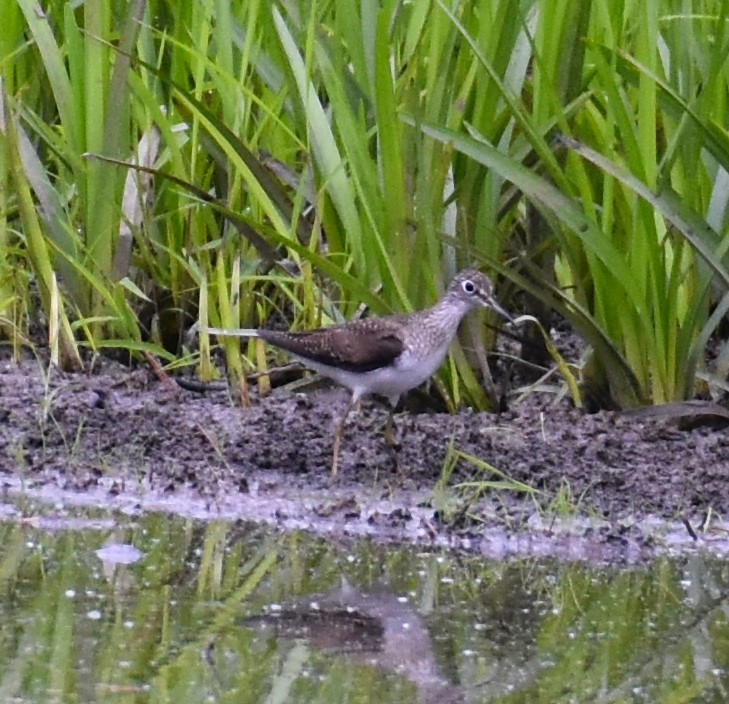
447	314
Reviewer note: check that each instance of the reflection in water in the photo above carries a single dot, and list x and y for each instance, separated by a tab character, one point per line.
377	629
148	608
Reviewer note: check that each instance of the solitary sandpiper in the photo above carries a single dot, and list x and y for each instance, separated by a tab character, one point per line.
388	355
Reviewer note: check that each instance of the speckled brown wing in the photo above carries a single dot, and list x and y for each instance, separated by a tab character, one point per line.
360	346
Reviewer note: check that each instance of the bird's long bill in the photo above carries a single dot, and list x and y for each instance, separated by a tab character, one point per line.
491	303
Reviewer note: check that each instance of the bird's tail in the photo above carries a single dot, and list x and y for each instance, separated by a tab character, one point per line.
233	332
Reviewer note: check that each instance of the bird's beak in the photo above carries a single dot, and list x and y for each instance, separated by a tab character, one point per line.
495	306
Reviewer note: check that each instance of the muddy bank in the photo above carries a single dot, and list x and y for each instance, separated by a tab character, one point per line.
119	437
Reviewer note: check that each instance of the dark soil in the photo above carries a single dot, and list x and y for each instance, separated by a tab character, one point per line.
125	438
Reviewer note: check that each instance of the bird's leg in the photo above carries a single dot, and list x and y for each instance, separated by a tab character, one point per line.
335	447
338	432
389	429
389	432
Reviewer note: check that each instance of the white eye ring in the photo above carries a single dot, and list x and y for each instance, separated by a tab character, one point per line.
468	286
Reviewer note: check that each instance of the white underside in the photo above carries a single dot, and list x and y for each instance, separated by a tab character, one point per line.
390	382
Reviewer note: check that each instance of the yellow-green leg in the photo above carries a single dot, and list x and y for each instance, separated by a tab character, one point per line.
338	432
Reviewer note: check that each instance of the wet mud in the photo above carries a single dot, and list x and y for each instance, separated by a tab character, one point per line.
604	487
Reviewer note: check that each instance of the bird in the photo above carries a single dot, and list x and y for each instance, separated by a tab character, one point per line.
384	355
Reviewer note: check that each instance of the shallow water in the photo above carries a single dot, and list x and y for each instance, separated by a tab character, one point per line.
128	607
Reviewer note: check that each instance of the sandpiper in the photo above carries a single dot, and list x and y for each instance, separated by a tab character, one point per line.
386	355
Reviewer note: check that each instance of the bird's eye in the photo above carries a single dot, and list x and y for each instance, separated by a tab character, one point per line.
468	286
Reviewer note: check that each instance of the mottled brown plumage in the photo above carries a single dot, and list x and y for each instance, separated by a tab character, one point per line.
358	346
389	355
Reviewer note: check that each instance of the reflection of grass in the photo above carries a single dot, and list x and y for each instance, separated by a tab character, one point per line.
613	637
169	627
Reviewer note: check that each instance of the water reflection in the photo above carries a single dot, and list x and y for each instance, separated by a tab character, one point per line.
376	629
179	610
